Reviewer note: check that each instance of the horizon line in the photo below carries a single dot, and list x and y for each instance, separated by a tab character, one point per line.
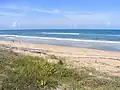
63	28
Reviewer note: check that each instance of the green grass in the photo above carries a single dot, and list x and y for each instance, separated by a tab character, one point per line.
35	73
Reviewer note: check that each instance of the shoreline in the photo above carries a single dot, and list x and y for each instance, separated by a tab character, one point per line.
10	42
107	45
101	60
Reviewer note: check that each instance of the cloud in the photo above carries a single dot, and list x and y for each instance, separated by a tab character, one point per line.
1	15
14	7
65	18
30	9
54	11
58	11
41	10
11	14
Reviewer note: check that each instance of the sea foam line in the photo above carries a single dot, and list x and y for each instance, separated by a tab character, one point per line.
59	33
62	39
55	33
99	34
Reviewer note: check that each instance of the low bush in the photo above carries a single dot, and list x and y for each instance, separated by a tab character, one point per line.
35	73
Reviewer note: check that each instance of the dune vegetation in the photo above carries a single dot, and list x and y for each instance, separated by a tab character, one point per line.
20	72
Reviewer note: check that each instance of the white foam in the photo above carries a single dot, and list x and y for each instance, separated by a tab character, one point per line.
77	34
99	34
59	33
62	39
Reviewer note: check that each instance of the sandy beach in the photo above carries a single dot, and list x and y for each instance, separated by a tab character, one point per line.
104	61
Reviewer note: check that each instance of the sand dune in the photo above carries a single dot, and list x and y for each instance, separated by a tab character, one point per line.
105	61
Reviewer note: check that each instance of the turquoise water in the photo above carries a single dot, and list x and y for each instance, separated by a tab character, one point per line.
85	38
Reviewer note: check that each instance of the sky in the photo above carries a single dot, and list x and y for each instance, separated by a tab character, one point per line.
35	14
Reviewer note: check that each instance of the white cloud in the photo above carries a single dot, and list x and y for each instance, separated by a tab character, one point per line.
11	14
54	11
67	18
57	11
14	7
41	10
29	9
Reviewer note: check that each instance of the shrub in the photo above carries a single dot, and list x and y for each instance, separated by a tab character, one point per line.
33	73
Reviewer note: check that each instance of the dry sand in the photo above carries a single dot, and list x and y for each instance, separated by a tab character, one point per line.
104	61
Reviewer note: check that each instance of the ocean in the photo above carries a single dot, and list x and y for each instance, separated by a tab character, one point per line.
103	39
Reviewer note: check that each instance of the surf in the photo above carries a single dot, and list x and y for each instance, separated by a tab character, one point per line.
59	39
59	33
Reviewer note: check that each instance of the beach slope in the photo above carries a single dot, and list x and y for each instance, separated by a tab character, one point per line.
100	60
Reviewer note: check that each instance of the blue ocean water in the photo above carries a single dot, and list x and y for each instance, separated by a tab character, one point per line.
85	38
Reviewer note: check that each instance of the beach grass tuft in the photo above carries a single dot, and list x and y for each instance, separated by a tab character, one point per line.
19	72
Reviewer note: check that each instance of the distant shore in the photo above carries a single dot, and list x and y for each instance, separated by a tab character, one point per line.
101	60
